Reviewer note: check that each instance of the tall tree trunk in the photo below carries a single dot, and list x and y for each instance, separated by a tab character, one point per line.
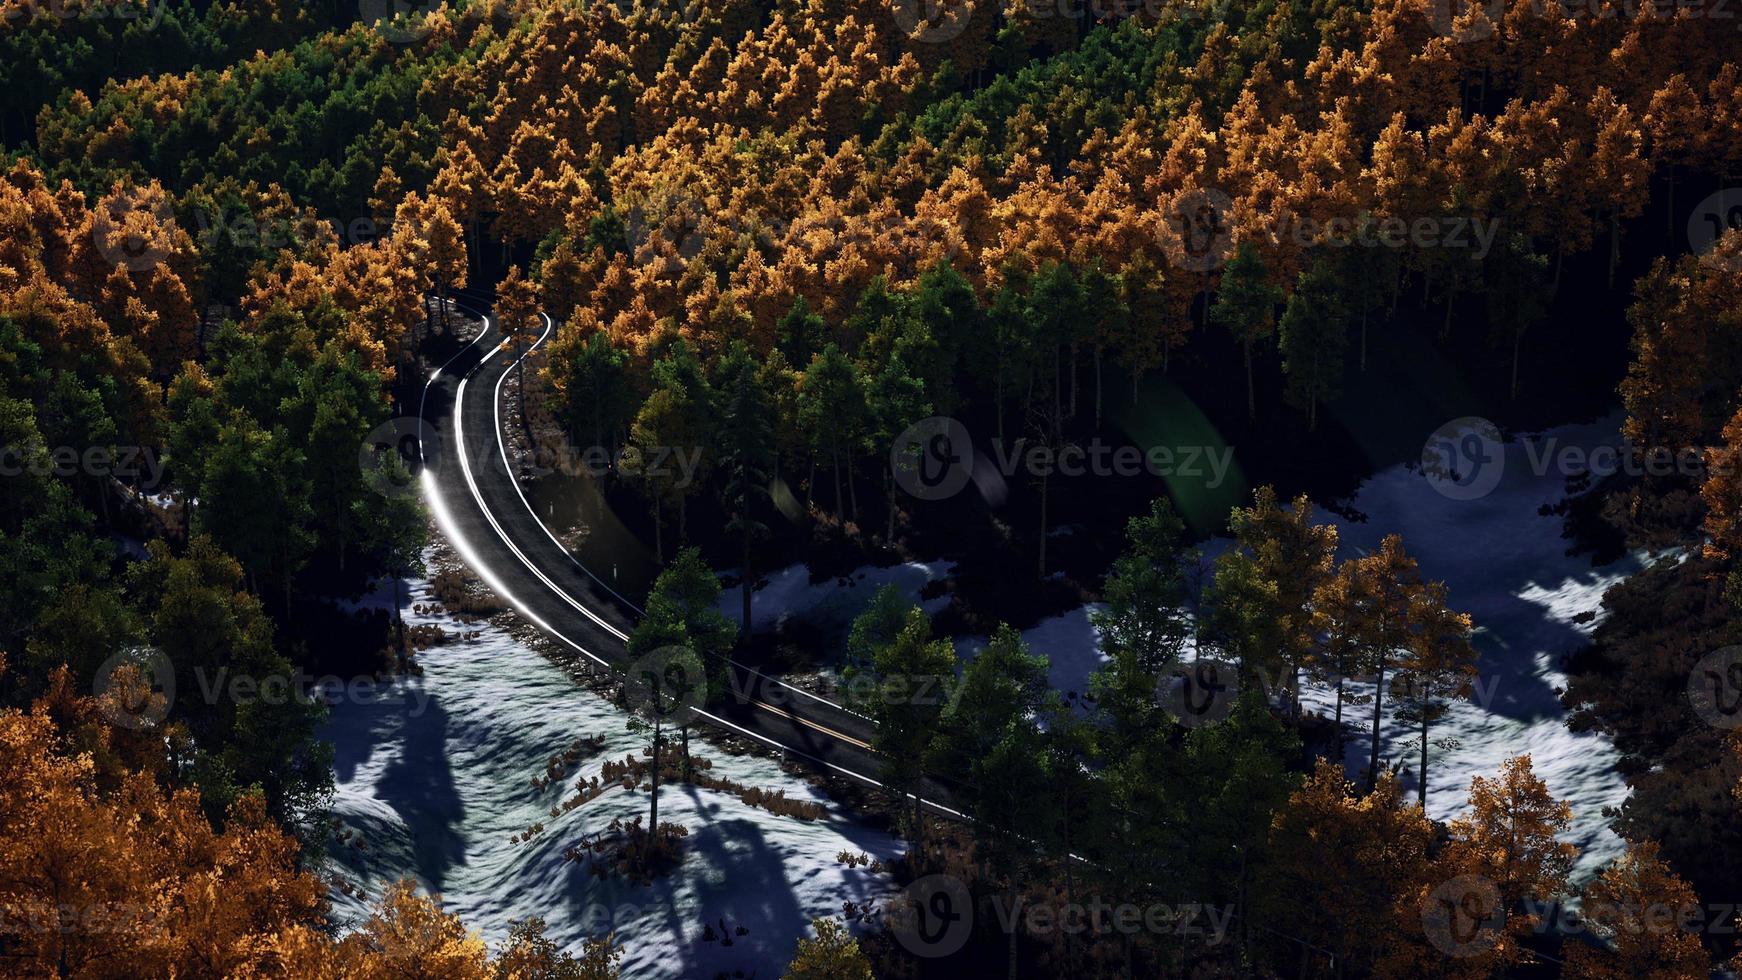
598	419
653	804
1070	895
1517	344
1378	706
1043	490
284	557
398	626
1243	882
1421	791
1097	387
889	488
998	398
1614	245
1338	721
1251	393
1669	209
1363	339
1074	374
749	580
918	823
852	491
835	469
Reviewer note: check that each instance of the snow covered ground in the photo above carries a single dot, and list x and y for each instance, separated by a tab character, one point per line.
830	605
435	774
1506	565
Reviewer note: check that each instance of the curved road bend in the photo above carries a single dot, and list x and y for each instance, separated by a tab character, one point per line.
479	505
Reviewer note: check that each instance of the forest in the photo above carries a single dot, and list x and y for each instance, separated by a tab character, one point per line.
777	241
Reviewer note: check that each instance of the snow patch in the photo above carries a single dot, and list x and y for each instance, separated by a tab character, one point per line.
832	604
1505	564
436	791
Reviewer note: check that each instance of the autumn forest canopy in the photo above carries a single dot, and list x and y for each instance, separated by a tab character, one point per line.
751	260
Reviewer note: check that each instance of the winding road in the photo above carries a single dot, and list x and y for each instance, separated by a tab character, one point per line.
477	501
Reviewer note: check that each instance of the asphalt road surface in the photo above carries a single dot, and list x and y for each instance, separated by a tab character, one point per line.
478	503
